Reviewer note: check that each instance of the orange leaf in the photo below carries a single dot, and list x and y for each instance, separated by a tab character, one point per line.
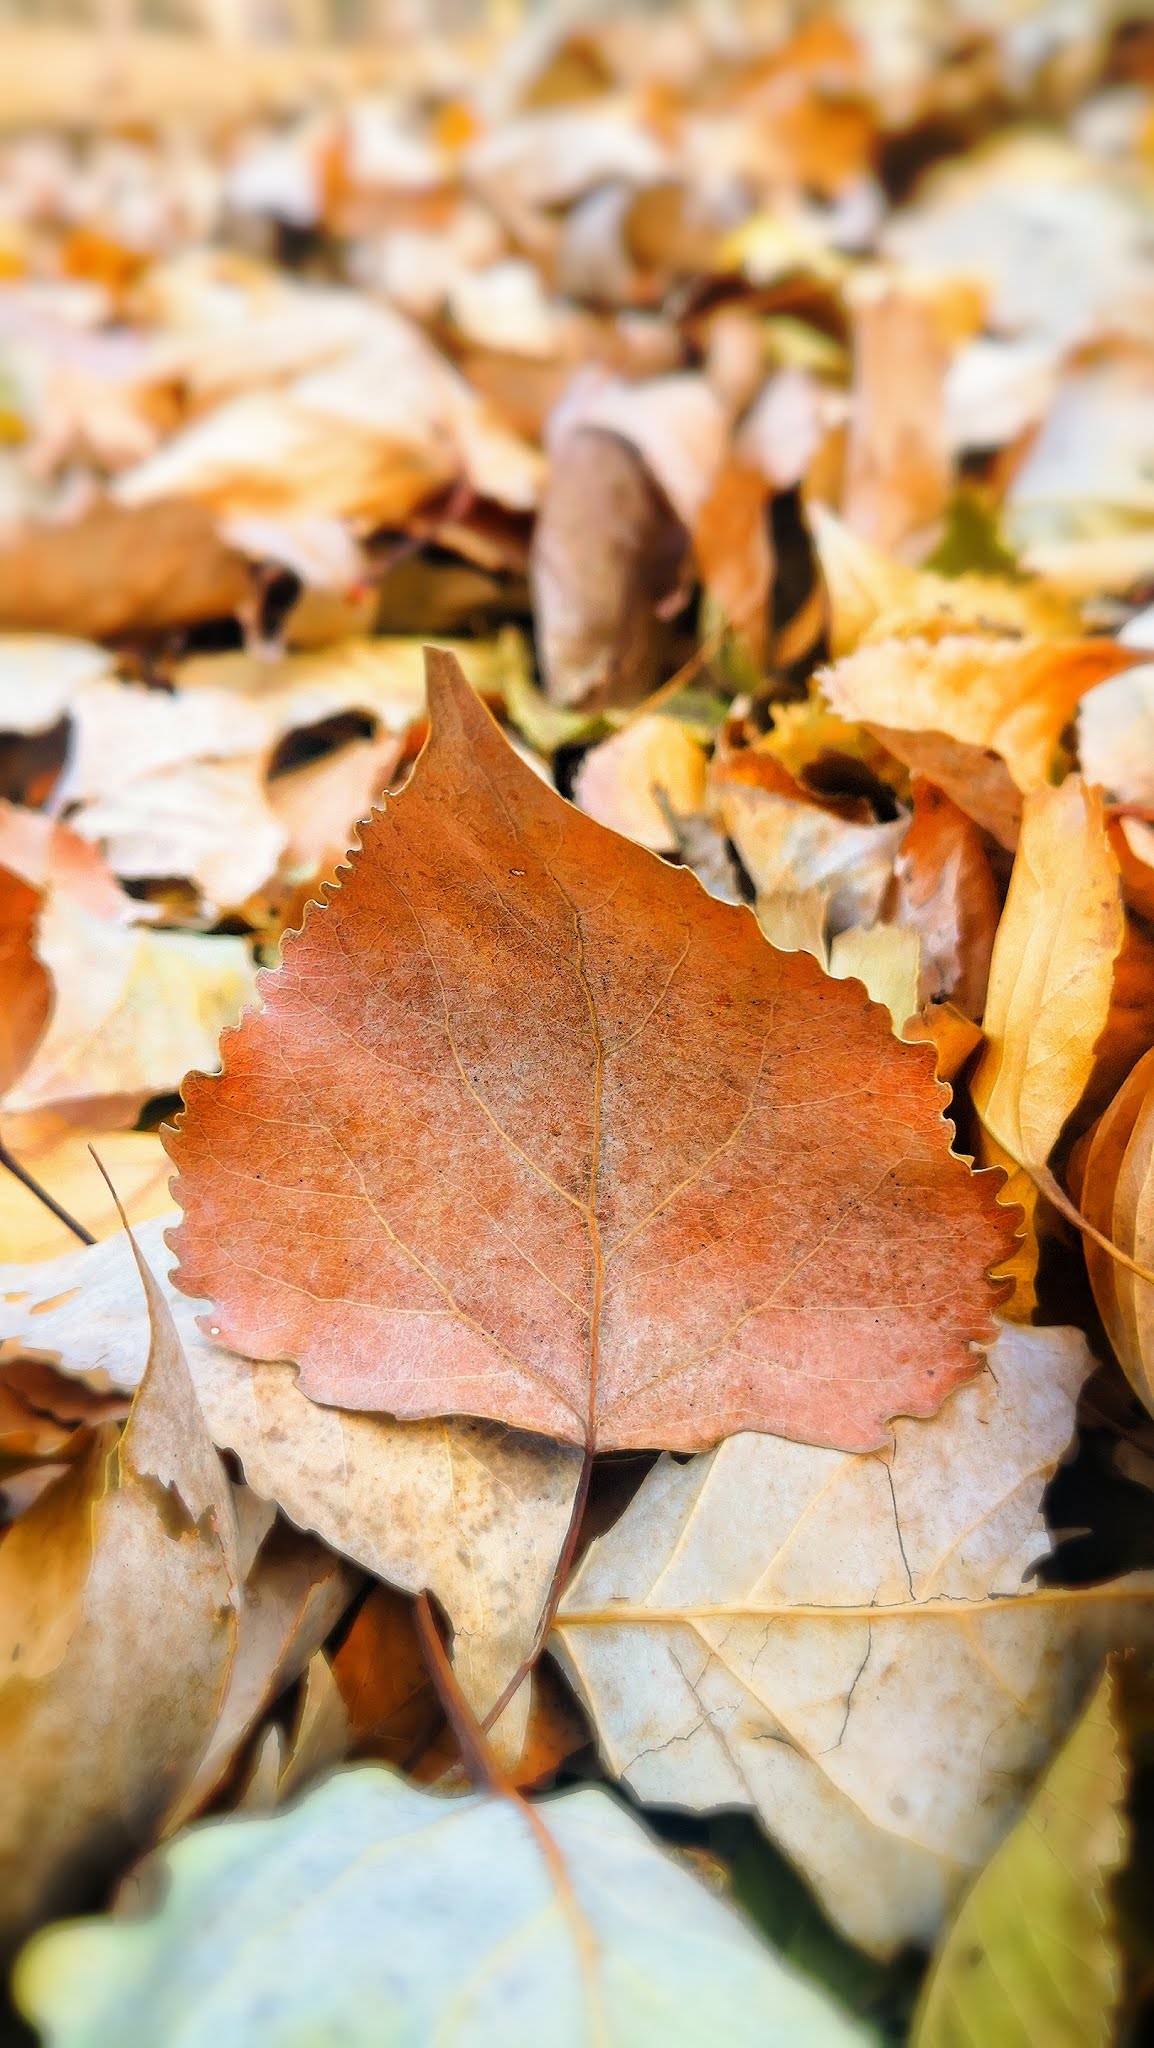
532	1128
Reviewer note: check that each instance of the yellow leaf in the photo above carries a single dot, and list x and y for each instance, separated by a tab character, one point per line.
1032	1957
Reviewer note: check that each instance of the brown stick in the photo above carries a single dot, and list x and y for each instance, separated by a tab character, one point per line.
28	1180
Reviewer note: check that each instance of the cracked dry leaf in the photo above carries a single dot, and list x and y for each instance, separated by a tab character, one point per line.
643	1229
565	1924
113	1674
844	1643
980	717
1033	1956
474	1513
133	1009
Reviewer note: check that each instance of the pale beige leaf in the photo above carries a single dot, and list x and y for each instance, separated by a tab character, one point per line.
40	675
844	1643
383	677
319	804
134	1009
206	822
1116	735
886	957
123	733
789	847
619	780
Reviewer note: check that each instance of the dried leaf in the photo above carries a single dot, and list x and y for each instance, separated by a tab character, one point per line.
981	717
108	1701
1116	735
946	893
1033	1954
885	959
621	781
273	1925
1052	980
853	1653
474	1513
295	1592
897	460
607	554
873	598
40	674
133	1009
790	845
638	1233
120	570
1116	1197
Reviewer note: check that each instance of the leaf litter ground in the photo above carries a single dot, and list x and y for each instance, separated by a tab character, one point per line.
710	1019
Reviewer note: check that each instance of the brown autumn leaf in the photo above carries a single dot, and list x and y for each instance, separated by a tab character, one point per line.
1115	1196
946	893
897	460
601	1193
608	552
980	717
121	569
734	549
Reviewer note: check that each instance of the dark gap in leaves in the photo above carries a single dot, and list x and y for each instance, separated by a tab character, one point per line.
312	742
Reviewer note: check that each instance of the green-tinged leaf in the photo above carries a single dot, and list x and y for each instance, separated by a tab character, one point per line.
972	543
374	1914
1032	1960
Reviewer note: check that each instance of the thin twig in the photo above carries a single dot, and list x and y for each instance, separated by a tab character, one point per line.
29	1181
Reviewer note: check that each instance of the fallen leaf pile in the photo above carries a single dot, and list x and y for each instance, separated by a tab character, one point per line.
576	1029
